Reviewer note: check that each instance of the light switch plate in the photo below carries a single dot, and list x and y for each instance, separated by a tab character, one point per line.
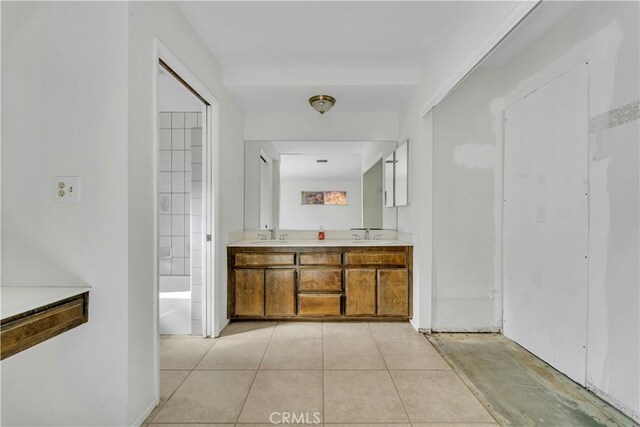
67	189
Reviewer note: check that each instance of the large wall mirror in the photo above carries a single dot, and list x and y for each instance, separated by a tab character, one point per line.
303	185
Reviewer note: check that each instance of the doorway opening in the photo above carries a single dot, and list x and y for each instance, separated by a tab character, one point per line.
186	179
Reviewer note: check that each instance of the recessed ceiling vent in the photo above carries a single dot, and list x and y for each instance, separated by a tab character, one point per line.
322	161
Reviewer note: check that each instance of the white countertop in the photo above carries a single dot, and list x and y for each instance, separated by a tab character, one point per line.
313	243
19	299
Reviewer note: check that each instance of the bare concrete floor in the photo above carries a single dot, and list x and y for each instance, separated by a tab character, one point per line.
518	388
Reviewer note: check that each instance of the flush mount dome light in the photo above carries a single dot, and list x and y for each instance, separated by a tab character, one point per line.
322	103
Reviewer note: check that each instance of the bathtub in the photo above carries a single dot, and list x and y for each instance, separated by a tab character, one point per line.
175	305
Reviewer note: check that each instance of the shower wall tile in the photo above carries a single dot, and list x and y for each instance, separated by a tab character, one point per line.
164	241
177	139
177	244
196	223
164	203
165	225
196	189
165	267
164	182
191	120
164	121
178	225
177	160
196	154
196	276
196	242
193	137
177	182
165	139
196	292
165	161
177	203
196	260
180	202
177	266
196	172
177	120
196	311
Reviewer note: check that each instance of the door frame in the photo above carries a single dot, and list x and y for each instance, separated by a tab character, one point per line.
211	194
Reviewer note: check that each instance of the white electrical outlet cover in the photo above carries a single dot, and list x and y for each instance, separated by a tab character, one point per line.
67	189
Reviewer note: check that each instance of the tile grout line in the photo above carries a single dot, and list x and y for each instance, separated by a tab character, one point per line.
389	373
159	407
256	374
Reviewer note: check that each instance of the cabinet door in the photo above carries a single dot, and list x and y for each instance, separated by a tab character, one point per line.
393	292
360	289
249	287
280	288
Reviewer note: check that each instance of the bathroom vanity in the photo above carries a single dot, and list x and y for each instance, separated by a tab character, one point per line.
307	279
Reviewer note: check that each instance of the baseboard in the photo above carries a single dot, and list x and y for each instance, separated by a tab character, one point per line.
613	402
138	422
484	330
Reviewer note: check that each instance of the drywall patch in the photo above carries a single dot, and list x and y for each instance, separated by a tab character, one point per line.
475	156
616	117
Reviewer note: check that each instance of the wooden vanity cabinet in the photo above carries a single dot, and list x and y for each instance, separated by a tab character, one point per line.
360	292
280	292
358	283
393	292
249	292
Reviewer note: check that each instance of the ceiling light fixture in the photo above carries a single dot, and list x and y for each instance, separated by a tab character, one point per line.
322	103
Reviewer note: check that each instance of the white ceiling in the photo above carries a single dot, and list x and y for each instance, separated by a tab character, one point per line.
304	167
367	54
529	30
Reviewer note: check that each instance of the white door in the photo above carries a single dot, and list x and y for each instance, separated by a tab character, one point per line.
546	222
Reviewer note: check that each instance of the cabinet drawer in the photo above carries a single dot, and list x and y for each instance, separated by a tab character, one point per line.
376	258
25	332
268	260
319	304
320	259
320	279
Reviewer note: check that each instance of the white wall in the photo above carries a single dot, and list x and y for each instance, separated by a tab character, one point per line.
606	34
416	217
64	112
296	216
164	20
311	126
465	160
468	145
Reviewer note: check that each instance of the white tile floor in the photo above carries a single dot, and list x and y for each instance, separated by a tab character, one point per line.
382	374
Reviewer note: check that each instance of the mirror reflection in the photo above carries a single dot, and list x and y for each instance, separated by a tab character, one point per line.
305	185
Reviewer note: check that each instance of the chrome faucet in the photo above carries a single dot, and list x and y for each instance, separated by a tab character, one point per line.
366	234
273	233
